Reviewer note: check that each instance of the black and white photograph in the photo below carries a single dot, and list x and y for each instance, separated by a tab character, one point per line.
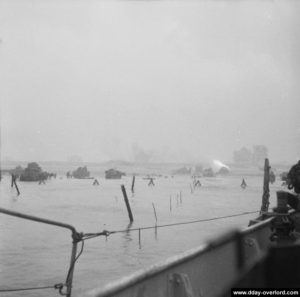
149	148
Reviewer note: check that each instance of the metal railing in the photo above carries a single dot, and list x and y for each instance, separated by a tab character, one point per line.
76	236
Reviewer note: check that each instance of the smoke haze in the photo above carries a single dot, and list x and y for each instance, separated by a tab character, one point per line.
149	81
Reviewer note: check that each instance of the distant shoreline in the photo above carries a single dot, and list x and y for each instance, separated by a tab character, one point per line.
132	168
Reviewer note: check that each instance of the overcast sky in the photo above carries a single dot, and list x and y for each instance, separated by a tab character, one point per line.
175	80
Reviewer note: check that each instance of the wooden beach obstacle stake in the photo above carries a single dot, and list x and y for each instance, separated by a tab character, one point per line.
14	183
132	185
127	203
154	212
155	221
17	187
140	245
170	203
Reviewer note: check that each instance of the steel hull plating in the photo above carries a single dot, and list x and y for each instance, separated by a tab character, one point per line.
205	271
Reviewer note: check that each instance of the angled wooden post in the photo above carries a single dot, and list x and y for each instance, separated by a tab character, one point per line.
132	185
127	203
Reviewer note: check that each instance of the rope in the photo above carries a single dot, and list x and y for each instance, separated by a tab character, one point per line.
73	263
57	286
107	233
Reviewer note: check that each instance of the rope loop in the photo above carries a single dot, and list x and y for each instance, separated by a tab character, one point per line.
77	237
60	287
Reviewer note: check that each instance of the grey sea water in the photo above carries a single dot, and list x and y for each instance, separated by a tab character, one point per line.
34	254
